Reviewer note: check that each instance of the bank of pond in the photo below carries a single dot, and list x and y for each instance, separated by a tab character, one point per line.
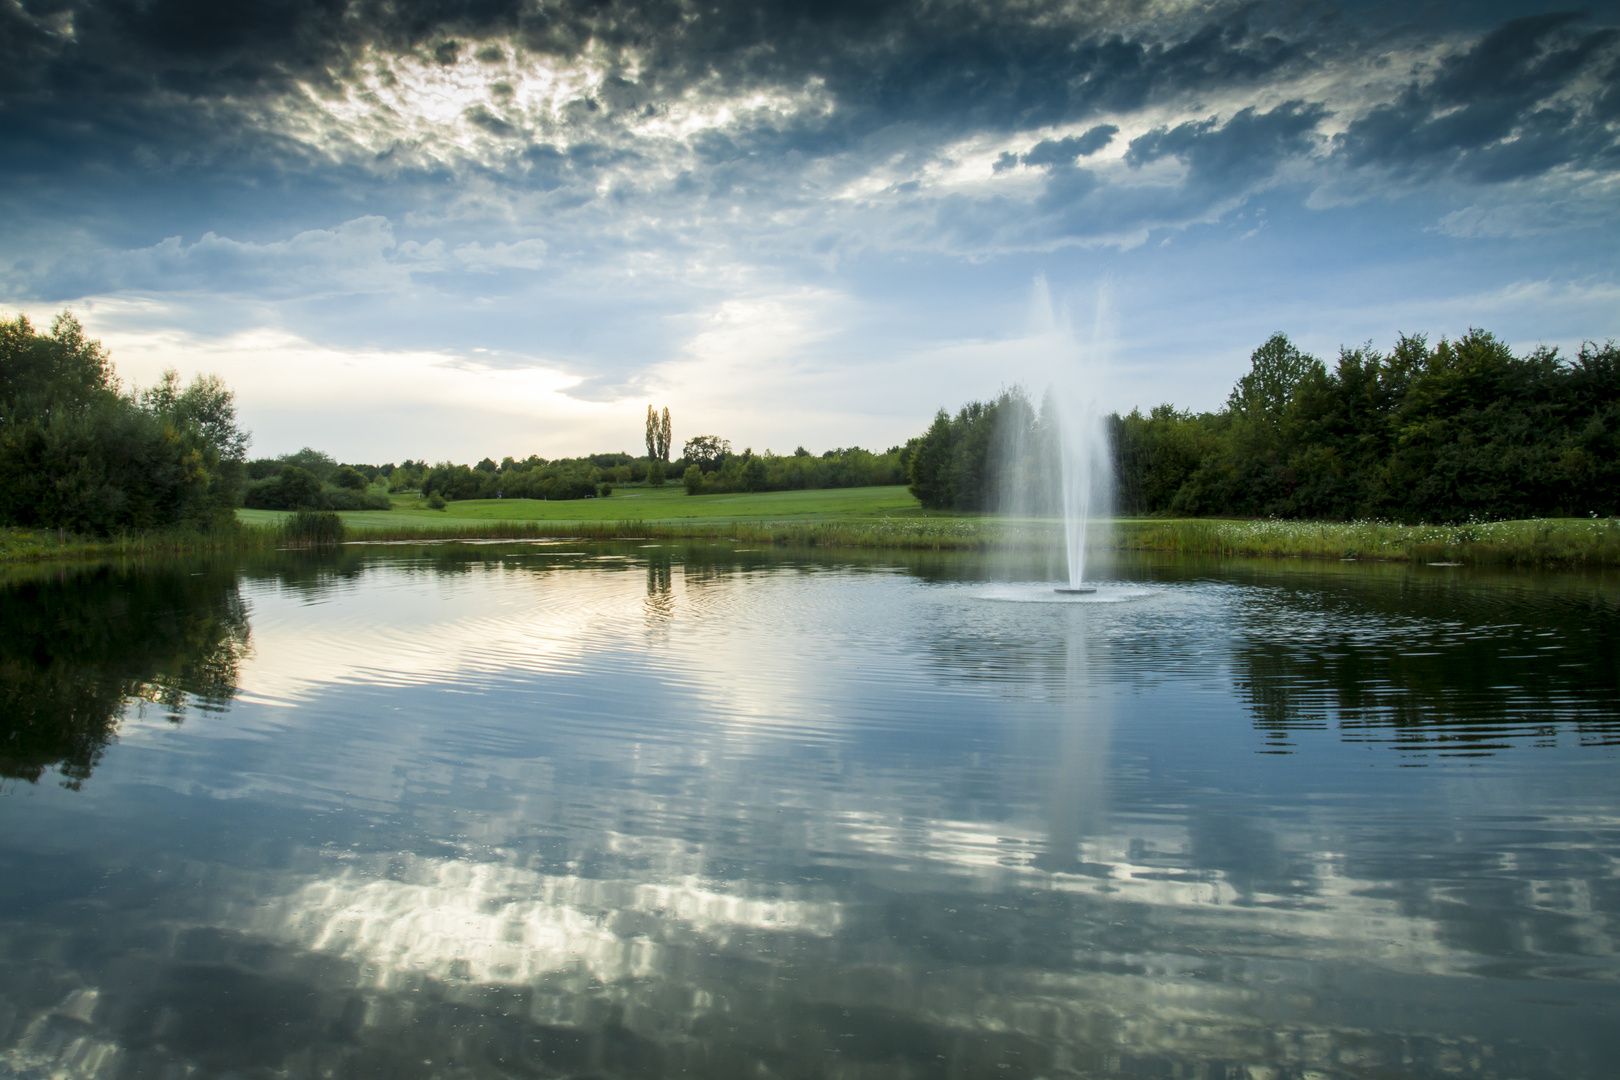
1568	543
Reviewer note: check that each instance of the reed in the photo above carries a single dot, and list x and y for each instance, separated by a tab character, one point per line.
1547	542
1568	543
42	545
313	528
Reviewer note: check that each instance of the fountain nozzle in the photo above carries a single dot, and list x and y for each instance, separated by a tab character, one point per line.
1076	589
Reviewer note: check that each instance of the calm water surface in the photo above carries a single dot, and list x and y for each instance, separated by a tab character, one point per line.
565	810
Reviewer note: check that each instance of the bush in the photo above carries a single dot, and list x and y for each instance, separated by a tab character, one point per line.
349	477
604	490
693	479
436	501
336	498
295	488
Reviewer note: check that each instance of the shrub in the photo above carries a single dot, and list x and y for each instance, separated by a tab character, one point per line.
336	498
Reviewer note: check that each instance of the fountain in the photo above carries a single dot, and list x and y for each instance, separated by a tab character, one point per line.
1085	477
1076	432
1056	460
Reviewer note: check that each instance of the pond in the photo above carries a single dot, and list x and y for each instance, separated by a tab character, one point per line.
651	809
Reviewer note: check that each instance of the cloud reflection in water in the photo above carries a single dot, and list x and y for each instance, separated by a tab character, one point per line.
746	815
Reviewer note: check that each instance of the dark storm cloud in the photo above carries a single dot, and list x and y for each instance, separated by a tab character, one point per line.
179	78
1061	151
1247	147
1534	94
1224	163
123	122
115	71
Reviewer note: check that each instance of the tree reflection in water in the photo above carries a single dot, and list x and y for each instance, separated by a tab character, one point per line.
77	649
1433	666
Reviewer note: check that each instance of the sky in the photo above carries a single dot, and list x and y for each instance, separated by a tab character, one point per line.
446	229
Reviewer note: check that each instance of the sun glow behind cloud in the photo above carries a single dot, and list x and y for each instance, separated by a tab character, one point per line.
370	403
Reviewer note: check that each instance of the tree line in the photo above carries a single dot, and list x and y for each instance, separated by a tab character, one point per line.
711	468
707	466
1457	430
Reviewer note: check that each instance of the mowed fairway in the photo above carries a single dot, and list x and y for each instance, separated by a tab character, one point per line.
667	504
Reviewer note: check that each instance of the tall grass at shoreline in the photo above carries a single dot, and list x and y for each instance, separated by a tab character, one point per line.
1550	543
1541	542
44	545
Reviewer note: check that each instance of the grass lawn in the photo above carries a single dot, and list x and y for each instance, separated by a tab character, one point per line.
889	517
667	504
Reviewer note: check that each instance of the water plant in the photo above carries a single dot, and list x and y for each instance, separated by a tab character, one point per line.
313	528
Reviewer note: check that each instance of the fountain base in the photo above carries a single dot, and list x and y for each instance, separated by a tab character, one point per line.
1079	589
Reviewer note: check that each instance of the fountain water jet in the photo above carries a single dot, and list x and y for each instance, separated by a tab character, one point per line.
1059	461
1085	478
1085	460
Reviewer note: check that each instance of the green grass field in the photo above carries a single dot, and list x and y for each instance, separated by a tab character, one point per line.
652	505
888	517
875	517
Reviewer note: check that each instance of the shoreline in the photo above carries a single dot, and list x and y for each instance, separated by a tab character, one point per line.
1561	543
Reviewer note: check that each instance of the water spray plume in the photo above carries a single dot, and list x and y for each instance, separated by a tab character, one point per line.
1084	469
1085	462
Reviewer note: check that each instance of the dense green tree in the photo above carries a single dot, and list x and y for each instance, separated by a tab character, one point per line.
77	453
321	465
753	473
708	451
1458	430
312	480
989	456
298	488
44	374
1156	456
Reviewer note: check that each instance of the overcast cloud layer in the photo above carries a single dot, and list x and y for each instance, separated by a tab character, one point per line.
503	226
